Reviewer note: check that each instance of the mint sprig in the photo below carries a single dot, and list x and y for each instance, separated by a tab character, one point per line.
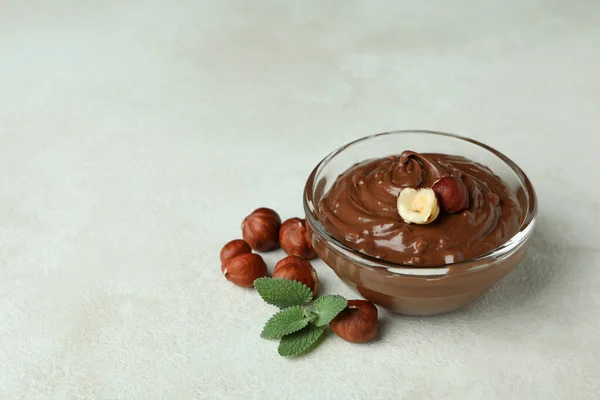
299	342
282	293
298	325
286	321
327	307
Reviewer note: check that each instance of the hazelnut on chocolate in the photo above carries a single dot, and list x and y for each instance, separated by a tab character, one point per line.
452	194
418	206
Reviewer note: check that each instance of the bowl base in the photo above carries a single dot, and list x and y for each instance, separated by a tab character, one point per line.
417	306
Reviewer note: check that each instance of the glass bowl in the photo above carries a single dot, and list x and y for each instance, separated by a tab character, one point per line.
407	289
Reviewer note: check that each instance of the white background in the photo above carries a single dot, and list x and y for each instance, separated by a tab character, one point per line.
136	135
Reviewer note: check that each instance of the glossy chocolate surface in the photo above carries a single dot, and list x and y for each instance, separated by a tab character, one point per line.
360	210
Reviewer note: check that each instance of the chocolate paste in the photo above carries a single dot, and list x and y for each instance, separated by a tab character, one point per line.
360	210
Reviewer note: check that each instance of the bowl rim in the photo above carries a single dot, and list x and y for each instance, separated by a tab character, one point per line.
524	231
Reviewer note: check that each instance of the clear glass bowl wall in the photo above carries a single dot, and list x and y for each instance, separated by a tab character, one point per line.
403	288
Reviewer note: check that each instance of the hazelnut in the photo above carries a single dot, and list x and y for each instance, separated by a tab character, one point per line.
294	238
418	206
357	323
297	269
234	249
452	193
261	229
244	269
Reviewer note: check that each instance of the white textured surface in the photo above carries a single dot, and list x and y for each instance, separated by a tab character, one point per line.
134	137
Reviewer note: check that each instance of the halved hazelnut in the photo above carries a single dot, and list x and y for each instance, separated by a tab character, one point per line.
418	206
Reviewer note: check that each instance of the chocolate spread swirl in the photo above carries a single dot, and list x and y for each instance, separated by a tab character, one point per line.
360	210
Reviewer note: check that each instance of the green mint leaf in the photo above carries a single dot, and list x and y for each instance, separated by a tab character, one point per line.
311	315
327	307
285	322
300	341
282	293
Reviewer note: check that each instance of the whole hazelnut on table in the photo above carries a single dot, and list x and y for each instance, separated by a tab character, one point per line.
297	269
294	238
452	194
261	229
244	269
233	249
357	323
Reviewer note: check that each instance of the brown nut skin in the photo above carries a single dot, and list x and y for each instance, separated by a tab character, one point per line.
452	194
294	239
297	269
244	269
233	249
260	229
357	323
